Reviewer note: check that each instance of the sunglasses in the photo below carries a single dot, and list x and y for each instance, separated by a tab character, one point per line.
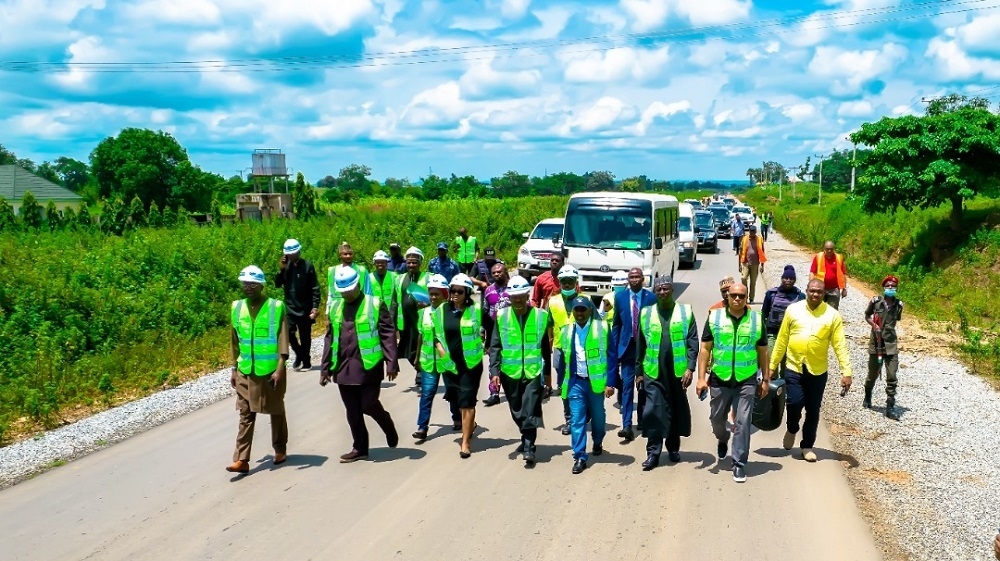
735	295
459	292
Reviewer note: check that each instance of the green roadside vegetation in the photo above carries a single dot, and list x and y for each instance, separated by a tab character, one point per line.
945	275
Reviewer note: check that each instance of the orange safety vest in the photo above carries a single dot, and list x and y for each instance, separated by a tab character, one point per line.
760	249
821	269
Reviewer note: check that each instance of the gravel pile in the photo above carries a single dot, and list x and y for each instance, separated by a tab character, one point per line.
929	483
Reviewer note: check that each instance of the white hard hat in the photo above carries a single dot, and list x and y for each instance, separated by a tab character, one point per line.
345	279
620	278
380	256
292	246
414	251
518	285
568	272
252	274
461	280
437	281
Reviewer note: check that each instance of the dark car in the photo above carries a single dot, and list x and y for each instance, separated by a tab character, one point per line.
708	236
722	225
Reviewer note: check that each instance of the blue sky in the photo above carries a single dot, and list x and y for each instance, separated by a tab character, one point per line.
668	88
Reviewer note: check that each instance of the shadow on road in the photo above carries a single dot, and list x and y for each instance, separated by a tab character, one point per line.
381	455
543	452
822	454
483	444
609	458
303	461
704	459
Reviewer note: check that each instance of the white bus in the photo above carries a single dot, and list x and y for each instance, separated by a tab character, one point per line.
607	232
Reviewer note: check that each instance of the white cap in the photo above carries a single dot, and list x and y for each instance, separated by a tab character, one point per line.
380	256
252	274
292	246
414	251
568	271
518	285
437	281
461	280
345	279
620	278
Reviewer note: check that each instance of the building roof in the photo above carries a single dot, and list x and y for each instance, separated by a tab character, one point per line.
14	181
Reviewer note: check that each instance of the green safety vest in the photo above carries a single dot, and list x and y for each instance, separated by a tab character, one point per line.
734	352
521	355
652	328
421	280
560	317
258	336
331	290
764	219
596	348
472	343
466	249
384	290
429	360
366	326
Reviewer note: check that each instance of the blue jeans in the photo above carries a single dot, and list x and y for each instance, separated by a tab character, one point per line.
584	404
804	391
428	389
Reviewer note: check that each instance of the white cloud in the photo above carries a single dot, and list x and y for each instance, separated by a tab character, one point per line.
514	9
33	22
660	110
651	14
981	35
200	13
482	81
440	105
799	112
862	108
955	64
646	14
614	65
848	71
605	113
749	132
273	19
88	49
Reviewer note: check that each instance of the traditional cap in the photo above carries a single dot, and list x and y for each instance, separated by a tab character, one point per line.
489	251
890	278
461	280
380	256
442	245
437	281
726	282
662	280
789	272
415	251
568	272
582	302
518	285
345	278
292	246
252	274
620	278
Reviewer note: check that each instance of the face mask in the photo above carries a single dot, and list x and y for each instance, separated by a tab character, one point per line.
890	292
571	292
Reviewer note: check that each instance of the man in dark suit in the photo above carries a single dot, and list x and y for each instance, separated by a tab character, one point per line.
622	346
360	344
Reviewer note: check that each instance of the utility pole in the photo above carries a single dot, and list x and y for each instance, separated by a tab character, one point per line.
854	163
819	200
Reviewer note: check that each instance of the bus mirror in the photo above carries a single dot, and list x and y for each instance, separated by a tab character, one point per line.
697	230
556	237
659	243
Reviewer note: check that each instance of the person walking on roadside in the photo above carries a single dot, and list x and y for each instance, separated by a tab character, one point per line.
346	255
751	260
619	281
259	347
482	270
560	315
298	278
765	225
359	350
624	337
724	286
467	251
516	362
734	342
397	263
384	282
495	299
442	264
667	355
583	347
736	227
807	332
882	314
457	325
412	298
547	286
430	364
776	301
829	267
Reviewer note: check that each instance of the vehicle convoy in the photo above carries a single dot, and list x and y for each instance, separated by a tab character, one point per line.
534	255
606	232
744	213
686	235
721	215
708	236
695	204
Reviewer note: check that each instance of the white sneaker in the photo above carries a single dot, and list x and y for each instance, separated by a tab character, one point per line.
788	441
808	455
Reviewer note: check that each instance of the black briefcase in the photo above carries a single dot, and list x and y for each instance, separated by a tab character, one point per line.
769	411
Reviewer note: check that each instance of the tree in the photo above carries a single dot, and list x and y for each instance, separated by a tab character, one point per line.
83	218
8	220
327	182
48	172
7	157
511	184
949	154
169	217
52	218
804	168
182	217
69	219
216	213
633	185
31	212
136	213
138	162
153	217
304	199
73	174
113	217
434	187
600	180
355	178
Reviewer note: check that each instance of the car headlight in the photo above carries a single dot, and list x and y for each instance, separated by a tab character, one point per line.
524	251
687	245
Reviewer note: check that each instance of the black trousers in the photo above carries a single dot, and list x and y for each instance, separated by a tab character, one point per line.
300	338
364	400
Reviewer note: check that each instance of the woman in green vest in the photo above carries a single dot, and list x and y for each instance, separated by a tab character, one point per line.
516	362
466	251
429	364
460	346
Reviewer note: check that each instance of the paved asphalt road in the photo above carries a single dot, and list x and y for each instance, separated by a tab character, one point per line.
165	495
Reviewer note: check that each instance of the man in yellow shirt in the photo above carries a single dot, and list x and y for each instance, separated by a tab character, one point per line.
807	332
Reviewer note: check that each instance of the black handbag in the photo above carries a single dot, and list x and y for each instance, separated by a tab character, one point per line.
769	411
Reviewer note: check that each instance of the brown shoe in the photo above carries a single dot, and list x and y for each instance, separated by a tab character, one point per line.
239	466
352	456
280	459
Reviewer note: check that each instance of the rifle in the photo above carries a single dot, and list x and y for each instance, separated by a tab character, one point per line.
879	342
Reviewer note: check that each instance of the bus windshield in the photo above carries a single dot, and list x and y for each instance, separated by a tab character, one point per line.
600	227
684	224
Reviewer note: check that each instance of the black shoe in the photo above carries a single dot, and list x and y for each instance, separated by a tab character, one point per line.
565	430
723	449
491	400
546	392
675	457
598	450
296	364
456	426
529	456
627	434
579	466
739	474
651	462
890	409
392	439
520	448
867	403
420	435
307	365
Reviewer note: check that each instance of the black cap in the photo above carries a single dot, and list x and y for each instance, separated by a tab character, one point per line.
582	302
489	251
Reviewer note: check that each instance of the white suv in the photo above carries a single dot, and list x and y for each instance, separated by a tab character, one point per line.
533	257
744	213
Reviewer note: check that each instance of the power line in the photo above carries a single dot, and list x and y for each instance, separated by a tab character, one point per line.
454	54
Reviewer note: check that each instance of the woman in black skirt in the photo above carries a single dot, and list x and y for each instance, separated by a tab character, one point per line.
458	324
